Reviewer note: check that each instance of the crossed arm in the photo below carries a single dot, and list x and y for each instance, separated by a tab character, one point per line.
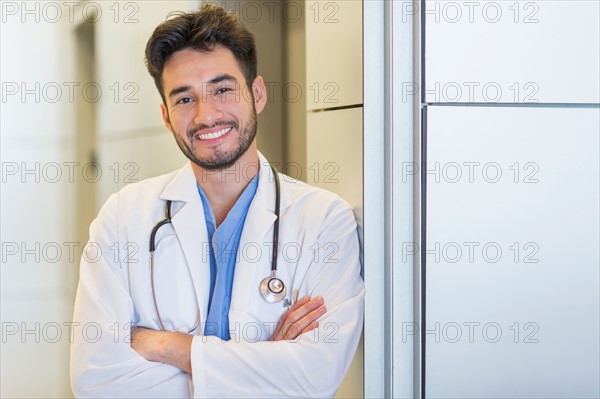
105	363
172	347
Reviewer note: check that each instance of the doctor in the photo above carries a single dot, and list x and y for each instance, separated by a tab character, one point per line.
195	318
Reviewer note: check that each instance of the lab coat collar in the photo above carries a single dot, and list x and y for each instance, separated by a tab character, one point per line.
266	187
183	187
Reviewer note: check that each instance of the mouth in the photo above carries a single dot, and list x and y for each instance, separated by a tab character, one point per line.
211	135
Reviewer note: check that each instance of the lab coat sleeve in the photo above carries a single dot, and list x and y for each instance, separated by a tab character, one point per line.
103	364
314	364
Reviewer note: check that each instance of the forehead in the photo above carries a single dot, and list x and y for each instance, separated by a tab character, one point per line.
187	66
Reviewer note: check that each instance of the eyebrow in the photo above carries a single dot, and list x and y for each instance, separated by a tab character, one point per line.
221	78
215	80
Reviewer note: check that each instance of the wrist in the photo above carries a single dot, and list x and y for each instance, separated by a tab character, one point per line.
160	348
174	348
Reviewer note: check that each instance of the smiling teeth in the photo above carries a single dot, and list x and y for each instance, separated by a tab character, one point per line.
214	135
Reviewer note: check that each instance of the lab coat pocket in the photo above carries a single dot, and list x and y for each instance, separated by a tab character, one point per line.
253	324
254	318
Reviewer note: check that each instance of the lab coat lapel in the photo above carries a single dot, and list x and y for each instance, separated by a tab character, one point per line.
190	226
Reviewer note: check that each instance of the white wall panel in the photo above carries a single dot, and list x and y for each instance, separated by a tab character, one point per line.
511	51
523	182
333	53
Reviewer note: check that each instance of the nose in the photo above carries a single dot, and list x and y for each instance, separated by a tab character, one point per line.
208	111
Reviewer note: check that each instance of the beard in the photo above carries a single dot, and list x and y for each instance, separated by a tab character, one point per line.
220	159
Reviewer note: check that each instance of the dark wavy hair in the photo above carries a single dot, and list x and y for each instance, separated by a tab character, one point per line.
201	30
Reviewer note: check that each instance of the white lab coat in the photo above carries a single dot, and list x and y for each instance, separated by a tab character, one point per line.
115	290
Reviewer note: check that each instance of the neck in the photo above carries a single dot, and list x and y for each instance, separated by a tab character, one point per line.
224	187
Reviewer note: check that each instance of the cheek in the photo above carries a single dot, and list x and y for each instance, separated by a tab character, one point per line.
235	101
180	121
241	110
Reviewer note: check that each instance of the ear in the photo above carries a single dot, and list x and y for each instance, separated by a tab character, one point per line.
165	116
260	94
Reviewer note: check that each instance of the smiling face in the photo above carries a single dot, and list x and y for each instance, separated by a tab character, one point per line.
209	108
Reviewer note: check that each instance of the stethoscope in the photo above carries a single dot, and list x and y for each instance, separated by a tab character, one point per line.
272	288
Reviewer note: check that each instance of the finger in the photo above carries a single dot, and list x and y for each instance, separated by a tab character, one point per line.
298	317
294	329
299	303
304	309
278	334
292	317
311	327
294	313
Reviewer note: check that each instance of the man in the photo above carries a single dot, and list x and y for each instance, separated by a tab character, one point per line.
198	320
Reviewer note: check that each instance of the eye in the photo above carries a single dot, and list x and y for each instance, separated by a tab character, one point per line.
223	90
184	100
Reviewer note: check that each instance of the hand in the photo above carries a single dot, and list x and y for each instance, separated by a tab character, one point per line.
145	342
300	318
169	347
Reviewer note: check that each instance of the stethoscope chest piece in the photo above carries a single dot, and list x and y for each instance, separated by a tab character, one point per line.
272	289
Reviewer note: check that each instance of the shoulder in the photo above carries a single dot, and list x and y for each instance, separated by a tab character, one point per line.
151	187
299	191
137	195
314	202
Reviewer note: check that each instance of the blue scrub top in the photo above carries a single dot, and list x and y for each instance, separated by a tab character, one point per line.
223	248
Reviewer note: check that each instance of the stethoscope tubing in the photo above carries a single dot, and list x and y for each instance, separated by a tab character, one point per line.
276	224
